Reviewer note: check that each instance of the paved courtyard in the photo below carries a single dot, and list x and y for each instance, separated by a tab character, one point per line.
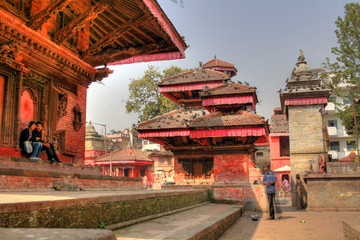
318	225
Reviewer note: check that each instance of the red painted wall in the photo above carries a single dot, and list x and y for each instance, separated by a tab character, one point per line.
26	109
231	168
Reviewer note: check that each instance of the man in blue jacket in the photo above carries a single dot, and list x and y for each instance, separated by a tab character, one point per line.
269	181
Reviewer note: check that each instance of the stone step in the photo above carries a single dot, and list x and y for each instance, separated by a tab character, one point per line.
203	222
21	174
93	209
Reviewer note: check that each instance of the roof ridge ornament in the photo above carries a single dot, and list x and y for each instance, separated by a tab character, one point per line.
301	58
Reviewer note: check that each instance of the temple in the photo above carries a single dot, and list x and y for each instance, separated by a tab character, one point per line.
212	136
51	51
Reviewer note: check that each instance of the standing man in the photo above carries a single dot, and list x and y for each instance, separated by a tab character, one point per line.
269	181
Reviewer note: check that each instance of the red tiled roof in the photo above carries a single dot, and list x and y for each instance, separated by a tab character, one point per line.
172	120
217	119
125	155
194	76
349	158
218	63
228	89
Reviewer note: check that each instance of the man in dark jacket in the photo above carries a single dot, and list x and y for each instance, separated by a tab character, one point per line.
48	147
26	135
269	181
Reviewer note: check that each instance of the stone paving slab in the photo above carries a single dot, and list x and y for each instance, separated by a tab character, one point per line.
318	225
55	234
185	225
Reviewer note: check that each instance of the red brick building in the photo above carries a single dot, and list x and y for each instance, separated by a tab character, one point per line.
279	145
48	54
213	137
129	162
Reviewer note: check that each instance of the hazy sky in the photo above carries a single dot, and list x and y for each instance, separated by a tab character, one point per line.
262	38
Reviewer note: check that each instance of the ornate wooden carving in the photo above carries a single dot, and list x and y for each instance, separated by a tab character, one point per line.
11	55
77	118
109	38
62	106
53	8
84	18
65	85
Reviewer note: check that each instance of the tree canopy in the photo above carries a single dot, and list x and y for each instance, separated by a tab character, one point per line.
145	99
345	71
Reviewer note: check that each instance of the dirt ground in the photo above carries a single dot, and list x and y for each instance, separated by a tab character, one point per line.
317	225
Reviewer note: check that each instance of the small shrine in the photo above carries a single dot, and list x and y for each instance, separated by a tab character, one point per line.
212	136
303	102
130	162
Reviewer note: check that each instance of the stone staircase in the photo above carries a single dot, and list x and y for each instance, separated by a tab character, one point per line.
136	214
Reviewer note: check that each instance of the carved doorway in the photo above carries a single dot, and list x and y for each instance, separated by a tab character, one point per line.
198	170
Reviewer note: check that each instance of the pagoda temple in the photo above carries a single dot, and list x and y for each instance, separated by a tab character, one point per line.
303	101
51	51
212	136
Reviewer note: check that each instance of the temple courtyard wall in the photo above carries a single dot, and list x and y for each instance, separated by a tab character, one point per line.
338	190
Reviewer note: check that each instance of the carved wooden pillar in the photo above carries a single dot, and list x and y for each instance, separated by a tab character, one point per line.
17	114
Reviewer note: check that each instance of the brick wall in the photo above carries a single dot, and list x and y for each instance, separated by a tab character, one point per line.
74	140
343	168
251	195
231	168
333	193
307	141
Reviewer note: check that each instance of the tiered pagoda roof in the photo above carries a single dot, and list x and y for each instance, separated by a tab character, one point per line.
73	37
221	66
184	88
304	86
229	97
229	126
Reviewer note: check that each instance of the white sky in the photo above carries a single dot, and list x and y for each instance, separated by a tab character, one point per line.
262	38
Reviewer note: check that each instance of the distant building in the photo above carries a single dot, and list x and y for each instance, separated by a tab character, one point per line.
340	144
94	145
129	162
279	145
150	146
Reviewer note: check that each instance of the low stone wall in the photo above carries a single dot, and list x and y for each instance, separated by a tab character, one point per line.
18	174
351	230
96	212
343	168
253	196
333	192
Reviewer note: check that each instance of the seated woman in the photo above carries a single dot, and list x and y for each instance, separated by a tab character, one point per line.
48	147
26	135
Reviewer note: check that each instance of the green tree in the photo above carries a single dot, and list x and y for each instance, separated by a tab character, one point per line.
145	99
345	71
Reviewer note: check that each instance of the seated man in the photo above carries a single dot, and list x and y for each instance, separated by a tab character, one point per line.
37	136
26	135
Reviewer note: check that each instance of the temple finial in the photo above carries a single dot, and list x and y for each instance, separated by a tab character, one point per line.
215	56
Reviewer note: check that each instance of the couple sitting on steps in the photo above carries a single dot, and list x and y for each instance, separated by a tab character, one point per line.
33	133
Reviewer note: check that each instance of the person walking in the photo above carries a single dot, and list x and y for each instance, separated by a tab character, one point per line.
26	135
269	181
